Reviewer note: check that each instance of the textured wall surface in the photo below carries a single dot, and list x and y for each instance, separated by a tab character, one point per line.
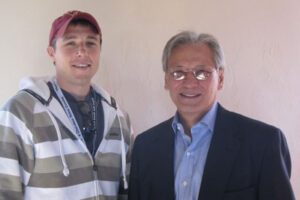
260	38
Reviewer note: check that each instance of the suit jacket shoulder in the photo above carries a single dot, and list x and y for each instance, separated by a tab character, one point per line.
247	159
157	132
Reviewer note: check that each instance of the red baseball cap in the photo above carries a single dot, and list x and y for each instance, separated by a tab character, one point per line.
60	25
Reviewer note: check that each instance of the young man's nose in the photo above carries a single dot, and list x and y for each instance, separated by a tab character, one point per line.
81	50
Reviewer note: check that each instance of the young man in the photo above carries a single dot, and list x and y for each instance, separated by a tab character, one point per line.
206	152
62	137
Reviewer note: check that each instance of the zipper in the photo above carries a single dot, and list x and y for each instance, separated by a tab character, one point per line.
94	168
94	143
96	181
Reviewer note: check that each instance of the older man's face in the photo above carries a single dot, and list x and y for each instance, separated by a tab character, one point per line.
192	97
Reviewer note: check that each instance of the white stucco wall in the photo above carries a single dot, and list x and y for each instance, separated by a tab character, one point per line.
260	38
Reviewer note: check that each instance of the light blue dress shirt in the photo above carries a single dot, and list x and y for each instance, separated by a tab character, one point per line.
190	154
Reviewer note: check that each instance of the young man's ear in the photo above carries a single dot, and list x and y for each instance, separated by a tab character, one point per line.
51	53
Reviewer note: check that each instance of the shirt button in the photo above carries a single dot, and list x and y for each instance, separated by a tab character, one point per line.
178	128
188	154
184	183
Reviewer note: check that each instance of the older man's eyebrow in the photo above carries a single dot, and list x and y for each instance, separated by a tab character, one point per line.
178	66
202	66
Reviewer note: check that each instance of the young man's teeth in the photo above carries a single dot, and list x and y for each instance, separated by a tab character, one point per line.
81	65
189	95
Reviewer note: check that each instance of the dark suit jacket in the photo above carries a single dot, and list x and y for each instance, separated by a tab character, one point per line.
247	160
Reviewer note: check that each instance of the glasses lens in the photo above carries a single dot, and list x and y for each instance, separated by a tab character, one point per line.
200	75
178	75
84	107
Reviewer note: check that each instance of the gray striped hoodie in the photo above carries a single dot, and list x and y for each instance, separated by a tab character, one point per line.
41	157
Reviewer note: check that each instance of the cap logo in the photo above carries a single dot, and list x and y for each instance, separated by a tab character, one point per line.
73	12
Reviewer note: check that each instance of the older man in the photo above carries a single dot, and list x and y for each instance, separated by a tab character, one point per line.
204	151
62	137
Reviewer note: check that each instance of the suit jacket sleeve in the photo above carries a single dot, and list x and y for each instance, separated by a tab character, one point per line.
276	171
134	189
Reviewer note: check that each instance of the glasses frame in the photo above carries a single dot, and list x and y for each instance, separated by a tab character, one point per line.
88	126
199	74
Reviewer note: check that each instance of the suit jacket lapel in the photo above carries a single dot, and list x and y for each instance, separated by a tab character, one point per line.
161	169
221	156
166	144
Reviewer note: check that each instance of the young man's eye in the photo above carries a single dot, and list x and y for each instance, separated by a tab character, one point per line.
91	43
70	43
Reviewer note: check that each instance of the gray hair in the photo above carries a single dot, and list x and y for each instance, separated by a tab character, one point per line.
188	37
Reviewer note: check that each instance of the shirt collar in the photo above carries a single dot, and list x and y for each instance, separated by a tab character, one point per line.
71	98
208	119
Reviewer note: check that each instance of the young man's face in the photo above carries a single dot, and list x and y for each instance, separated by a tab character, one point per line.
76	56
193	97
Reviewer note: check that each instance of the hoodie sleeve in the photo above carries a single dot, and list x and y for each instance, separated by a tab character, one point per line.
128	138
16	148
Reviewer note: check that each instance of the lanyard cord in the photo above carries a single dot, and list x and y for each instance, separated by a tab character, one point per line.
70	115
69	112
